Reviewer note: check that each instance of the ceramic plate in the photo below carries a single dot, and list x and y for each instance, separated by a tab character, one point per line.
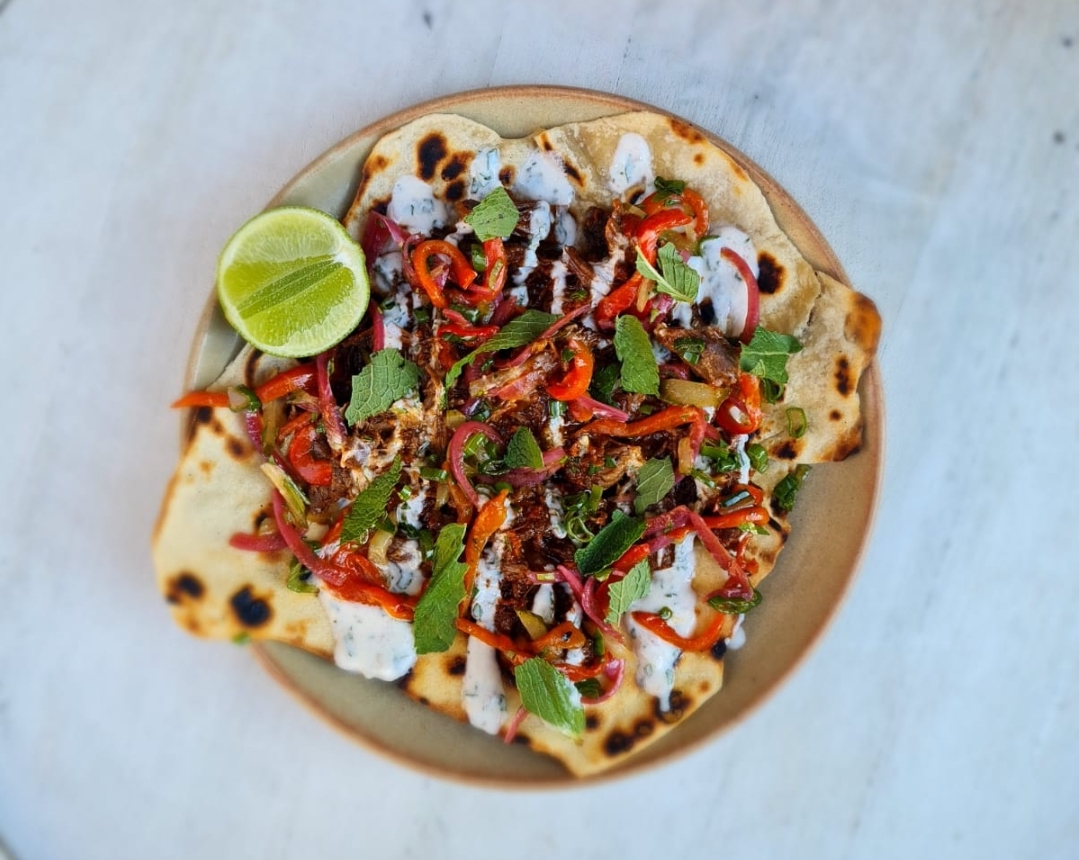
830	524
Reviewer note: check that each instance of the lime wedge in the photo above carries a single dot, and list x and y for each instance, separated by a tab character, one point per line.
292	282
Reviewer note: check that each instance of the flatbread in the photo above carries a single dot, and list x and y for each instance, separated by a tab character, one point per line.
218	591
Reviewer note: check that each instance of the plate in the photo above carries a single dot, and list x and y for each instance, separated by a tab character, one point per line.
830	525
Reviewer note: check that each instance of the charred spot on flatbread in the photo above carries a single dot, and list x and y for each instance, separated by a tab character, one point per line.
618	743
679	705
770	274
431	151
455	191
685	131
236	448
591	722
250	610
789	450
405	681
862	326
719	650
835	415
204	415
185	585
506	175
455	665
644	727
698	158
843	382
455	166
572	172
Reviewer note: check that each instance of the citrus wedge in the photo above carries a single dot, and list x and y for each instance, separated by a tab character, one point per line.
292	282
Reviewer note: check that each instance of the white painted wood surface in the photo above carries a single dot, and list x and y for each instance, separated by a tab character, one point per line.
936	145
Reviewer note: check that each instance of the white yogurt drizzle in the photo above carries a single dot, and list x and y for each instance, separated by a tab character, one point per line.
721	283
368	640
631	166
413	205
542	177
672	588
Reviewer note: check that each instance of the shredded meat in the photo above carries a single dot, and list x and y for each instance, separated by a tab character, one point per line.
718	362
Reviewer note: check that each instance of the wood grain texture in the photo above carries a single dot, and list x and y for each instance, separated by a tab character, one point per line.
936	146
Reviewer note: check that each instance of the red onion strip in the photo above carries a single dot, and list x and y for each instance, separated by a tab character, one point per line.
378	329
602	409
331	416
253	426
514	724
306	556
457	454
753	293
558	324
615	670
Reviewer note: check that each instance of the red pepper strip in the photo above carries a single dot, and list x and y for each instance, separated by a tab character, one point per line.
488	521
331	415
400	606
642	551
753	294
659	200
496	640
216	399
577	379
736	518
494	278
300	376
565	635
463	273
478	333
317	472
665	419
740	414
523	386
581	673
269	542
616	301
305	555
701	642
632	556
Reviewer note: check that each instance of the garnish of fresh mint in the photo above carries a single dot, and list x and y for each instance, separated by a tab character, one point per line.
369	507
640	373
523	451
494	217
632	587
674	277
388	378
654	481
549	695
517	332
766	355
609	544
435	623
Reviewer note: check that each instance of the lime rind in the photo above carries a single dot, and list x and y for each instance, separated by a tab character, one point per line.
292	282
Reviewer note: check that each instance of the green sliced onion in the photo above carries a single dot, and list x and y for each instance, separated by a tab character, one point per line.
556	408
243	399
431	473
735	605
796	422
299	580
295	500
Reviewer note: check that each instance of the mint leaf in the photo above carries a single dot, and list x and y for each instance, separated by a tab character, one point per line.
633	586
671	186
607	547
549	695
523	451
389	377
435	623
766	355
640	373
370	505
517	332
604	381
654	481
494	217
678	280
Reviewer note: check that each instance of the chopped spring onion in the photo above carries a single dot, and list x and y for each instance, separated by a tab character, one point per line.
295	500
430	473
243	399
796	422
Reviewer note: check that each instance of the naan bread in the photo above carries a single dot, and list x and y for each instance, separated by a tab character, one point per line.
218	489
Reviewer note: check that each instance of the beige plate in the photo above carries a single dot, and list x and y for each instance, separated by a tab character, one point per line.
830	525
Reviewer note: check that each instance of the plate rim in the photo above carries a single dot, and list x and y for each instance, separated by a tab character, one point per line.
870	391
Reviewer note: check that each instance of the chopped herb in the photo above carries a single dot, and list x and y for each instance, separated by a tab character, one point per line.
753	528
243	399
689	349
435	624
654	481
796	422
549	695
704	478
786	491
758	457
389	377
422	314
670	186
517	332
589	688
607	547
604	381
567	355
640	373
479	259
723	458
677	279
632	587
494	217
241	638
665	613
432	473
579	508
766	355
523	451
556	408
772	392
370	505
482	411
299	579
735	605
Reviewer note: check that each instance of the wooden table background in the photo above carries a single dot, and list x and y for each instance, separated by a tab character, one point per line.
936	145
